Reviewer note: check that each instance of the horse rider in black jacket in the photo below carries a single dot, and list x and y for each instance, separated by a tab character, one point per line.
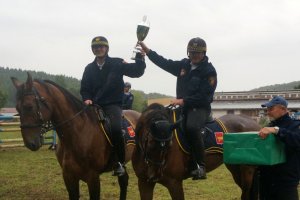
196	84
278	182
102	84
127	97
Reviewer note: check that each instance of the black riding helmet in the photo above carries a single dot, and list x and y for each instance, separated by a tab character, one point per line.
196	45
100	41
127	84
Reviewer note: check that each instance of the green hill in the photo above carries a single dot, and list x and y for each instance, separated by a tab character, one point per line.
276	87
70	83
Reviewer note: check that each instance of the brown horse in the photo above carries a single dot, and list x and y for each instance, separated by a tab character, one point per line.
158	158
84	151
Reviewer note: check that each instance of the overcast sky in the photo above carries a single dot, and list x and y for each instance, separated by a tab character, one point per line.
251	43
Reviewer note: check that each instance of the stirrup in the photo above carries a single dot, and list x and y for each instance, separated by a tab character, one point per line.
198	173
119	170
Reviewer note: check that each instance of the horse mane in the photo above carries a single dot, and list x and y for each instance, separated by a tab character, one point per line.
74	102
154	106
153	112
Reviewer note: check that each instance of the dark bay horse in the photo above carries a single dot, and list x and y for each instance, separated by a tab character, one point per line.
83	151
158	158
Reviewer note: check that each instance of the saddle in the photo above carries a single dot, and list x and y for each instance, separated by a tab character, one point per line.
127	128
212	134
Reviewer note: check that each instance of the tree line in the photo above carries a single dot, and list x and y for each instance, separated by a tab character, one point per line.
8	91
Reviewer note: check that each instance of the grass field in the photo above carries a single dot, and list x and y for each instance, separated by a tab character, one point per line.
28	175
36	175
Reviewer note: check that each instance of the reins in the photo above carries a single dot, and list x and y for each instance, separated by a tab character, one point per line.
163	147
147	158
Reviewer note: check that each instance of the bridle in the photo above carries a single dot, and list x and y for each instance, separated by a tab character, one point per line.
46	125
163	146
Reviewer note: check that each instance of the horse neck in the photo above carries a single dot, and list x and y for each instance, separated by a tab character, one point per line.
65	117
62	110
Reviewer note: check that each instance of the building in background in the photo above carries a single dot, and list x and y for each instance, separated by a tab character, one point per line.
246	102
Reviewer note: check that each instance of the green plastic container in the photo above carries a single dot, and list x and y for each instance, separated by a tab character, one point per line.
249	148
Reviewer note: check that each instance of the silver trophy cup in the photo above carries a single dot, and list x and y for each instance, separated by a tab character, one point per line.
141	33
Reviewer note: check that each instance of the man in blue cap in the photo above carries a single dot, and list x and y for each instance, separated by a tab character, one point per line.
280	181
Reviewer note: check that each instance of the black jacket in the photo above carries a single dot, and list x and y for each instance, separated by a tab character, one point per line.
288	173
196	87
106	86
127	101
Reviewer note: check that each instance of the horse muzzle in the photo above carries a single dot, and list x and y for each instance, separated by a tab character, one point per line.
32	142
33	146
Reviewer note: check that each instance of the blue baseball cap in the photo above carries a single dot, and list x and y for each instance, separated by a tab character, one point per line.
276	100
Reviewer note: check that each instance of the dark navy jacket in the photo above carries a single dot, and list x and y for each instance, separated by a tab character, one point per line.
127	101
106	86
288	173
196	87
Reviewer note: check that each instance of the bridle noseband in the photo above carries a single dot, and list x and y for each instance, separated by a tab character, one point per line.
38	101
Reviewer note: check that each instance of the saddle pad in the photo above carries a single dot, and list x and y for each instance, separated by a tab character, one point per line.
129	133
127	129
213	136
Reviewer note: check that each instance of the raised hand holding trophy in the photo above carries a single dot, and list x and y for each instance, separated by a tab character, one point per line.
141	33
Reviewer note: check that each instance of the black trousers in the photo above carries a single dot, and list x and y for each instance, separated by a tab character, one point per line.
281	193
270	190
195	119
114	113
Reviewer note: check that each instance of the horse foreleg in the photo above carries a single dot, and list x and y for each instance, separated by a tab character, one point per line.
72	185
123	183
146	189
93	183
176	190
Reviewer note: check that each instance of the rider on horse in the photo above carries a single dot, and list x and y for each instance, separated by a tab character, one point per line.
102	84
127	97
196	84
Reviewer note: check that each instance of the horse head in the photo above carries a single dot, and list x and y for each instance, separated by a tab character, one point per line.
34	111
154	138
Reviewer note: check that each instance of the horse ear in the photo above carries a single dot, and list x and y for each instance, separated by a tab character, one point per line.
29	82
16	82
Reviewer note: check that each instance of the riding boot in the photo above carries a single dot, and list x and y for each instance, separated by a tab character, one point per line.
197	144
119	168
